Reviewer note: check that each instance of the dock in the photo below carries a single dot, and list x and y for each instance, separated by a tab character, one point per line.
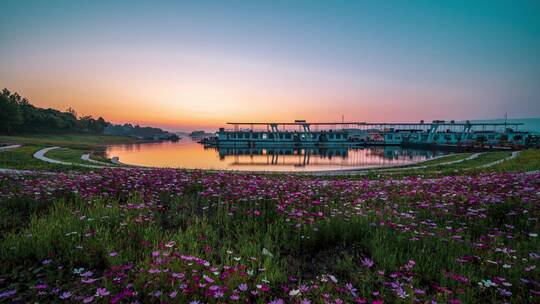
438	133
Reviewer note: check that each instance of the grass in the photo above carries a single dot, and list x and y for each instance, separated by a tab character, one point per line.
73	146
444	159
74	156
76	141
22	159
68	155
528	160
452	169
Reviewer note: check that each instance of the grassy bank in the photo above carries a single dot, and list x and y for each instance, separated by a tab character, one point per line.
76	141
73	146
467	166
441	160
74	156
22	159
528	160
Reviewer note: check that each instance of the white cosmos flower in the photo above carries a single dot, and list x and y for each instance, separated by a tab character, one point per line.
294	292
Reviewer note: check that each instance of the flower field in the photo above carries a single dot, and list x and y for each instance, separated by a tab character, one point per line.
172	236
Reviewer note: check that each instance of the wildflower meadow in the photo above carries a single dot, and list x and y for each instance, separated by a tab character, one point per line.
173	236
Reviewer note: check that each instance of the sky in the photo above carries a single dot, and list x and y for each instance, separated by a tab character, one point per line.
184	65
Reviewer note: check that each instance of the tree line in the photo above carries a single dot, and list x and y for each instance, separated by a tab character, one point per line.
18	115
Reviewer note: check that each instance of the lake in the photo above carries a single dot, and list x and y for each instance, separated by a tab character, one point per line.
189	154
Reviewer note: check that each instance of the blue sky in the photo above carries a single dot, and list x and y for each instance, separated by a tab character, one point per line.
201	63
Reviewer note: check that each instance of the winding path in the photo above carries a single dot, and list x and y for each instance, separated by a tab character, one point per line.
4	148
514	155
86	157
16	171
475	155
41	156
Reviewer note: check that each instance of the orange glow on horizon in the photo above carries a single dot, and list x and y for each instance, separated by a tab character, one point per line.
213	93
201	110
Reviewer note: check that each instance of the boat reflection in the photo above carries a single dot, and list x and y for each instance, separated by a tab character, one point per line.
338	156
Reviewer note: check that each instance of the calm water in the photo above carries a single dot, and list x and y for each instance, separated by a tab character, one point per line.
187	153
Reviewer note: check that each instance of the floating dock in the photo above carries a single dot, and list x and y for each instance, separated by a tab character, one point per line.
345	134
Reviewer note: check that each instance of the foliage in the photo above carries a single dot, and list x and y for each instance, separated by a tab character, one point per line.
18	115
138	131
10	112
29	118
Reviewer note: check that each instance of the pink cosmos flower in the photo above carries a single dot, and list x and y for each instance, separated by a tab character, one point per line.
65	295
102	292
367	262
218	294
41	286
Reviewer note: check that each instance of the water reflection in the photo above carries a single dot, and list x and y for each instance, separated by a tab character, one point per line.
189	154
343	157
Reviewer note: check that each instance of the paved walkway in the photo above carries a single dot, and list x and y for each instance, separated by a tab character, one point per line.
41	156
86	157
4	148
475	155
514	155
17	171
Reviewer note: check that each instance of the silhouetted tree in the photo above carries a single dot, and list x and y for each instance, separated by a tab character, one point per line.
10	113
18	115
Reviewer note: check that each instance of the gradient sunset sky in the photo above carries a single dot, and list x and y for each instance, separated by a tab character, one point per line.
198	64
